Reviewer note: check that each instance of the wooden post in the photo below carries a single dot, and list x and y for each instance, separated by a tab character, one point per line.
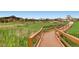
30	42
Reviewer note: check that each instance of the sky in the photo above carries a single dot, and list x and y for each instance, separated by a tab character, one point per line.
40	14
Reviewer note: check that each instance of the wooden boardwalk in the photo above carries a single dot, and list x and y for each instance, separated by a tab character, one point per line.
50	40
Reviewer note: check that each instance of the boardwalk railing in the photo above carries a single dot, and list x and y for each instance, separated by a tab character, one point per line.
63	41
66	27
34	39
70	37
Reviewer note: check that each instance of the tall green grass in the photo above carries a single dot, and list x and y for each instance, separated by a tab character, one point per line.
17	35
74	30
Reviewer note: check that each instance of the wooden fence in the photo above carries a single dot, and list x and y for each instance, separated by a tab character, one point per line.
62	29
70	37
63	41
35	38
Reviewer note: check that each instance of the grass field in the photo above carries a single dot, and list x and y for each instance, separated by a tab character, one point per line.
74	30
12	34
16	34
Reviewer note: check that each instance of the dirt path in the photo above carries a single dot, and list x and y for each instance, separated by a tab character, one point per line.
50	40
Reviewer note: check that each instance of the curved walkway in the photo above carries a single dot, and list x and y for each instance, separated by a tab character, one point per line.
50	38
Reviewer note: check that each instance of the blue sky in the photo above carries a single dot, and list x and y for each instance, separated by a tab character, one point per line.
40	14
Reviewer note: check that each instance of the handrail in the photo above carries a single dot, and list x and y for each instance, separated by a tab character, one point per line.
72	38
30	40
58	38
64	28
63	41
32	36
